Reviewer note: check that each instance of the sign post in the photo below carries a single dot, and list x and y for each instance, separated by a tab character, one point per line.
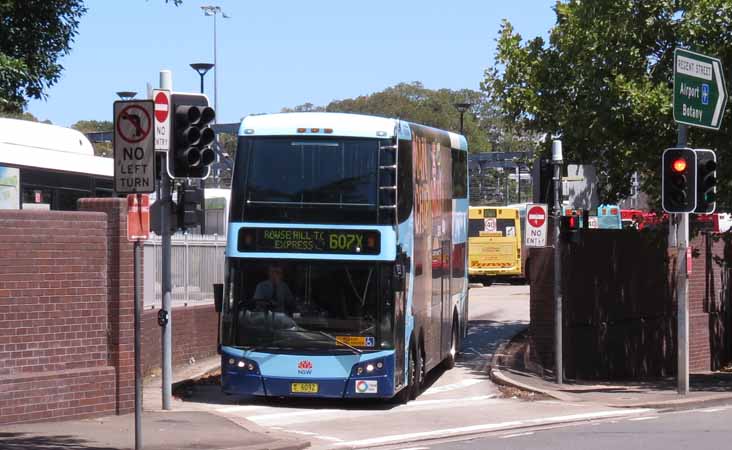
536	225
134	156
699	100
138	229
700	93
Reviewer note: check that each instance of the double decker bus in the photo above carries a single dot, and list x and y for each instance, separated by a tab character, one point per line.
494	244
346	256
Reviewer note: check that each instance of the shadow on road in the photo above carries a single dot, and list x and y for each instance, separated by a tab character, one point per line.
25	441
484	337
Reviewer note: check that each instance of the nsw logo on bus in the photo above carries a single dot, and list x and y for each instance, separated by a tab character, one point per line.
305	367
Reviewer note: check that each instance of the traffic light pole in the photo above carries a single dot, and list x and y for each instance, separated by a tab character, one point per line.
165	317
557	213
682	288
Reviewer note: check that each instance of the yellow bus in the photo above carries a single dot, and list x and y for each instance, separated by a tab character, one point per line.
494	244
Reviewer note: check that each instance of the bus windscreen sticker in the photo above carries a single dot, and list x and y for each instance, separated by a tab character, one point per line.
310	240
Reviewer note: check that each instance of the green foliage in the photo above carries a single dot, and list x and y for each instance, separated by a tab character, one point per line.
483	128
90	126
34	34
603	82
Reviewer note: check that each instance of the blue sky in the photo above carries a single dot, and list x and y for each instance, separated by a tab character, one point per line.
279	53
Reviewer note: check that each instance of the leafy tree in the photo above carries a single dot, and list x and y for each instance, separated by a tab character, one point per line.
92	126
483	127
34	34
603	82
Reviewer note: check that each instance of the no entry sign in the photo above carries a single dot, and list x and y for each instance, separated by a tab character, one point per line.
536	225
161	98
134	164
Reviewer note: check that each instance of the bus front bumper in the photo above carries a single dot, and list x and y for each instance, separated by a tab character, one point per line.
379	383
494	271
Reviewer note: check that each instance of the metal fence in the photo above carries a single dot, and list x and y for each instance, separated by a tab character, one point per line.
197	262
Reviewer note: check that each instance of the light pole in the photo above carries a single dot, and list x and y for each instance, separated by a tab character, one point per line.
126	95
462	108
213	10
202	69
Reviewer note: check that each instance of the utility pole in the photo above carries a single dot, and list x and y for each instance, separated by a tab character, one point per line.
165	316
682	287
557	213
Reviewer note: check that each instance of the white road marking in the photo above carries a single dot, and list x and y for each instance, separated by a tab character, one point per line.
451	387
509	436
418	403
713	410
285	418
489	427
239	408
416	448
329	438
639	419
304	433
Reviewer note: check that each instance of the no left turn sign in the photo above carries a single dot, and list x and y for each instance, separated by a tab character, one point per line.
134	155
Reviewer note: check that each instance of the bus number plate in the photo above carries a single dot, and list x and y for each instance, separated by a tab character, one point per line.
304	388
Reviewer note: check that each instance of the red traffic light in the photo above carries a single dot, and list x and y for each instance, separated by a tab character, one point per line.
679	165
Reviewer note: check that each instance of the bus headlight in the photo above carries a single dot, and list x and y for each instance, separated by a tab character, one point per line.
369	368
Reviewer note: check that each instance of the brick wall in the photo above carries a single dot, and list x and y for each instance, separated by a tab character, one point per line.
194	336
620	310
53	316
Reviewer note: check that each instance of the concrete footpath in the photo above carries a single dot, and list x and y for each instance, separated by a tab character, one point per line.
176	429
509	367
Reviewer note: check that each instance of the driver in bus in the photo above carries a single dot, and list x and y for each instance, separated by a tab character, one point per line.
275	291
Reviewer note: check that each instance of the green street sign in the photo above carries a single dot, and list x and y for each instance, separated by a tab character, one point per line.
700	93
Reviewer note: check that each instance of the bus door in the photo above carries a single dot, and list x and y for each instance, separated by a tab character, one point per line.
446	322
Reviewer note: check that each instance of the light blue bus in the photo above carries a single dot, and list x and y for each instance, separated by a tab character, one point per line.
346	257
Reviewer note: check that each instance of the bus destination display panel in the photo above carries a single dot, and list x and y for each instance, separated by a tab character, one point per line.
310	240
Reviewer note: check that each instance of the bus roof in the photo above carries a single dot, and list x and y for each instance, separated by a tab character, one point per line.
38	145
342	124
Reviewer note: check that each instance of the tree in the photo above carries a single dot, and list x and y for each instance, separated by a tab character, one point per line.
92	126
34	34
483	127
603	82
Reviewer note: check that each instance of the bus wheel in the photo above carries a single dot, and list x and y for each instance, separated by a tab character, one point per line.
411	391
487	281
449	362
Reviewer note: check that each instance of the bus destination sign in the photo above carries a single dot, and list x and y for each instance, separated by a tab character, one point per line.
309	240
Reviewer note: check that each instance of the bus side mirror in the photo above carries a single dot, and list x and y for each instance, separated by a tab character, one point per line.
218	290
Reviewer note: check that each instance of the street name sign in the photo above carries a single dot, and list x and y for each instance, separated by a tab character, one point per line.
536	225
134	155
161	97
700	93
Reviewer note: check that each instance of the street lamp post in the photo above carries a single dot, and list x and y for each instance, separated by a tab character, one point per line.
126	95
202	69
213	10
462	108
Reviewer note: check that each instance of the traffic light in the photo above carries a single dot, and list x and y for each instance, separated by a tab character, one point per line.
678	180
569	227
192	136
189	207
706	175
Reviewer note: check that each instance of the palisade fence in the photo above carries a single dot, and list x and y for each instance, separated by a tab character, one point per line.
197	263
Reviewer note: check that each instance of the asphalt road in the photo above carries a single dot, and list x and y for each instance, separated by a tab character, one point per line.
709	428
457	402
